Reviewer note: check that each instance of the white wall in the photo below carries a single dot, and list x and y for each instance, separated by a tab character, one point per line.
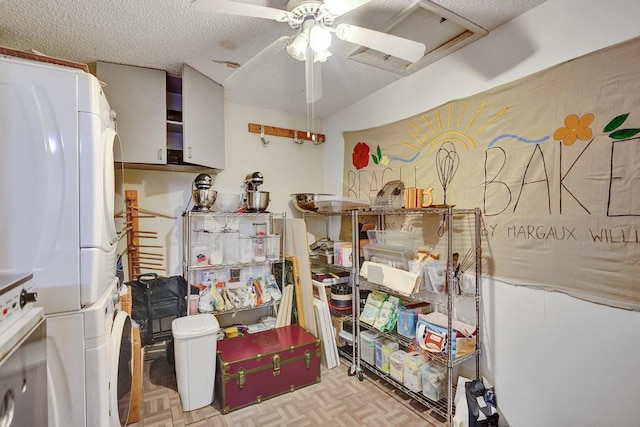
287	168
555	360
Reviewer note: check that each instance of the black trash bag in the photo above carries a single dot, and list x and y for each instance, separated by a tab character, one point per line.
155	302
481	404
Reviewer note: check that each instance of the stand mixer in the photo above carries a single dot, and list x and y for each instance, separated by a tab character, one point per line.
203	196
256	201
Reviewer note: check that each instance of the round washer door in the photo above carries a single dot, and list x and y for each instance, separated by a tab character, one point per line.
121	369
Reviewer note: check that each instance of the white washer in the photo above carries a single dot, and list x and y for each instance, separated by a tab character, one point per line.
57	221
92	375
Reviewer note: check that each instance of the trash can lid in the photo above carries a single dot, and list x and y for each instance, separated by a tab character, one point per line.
194	326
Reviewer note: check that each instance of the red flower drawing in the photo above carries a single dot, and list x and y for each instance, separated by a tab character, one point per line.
360	156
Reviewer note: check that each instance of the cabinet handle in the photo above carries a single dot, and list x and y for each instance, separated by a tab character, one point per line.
159	153
189	152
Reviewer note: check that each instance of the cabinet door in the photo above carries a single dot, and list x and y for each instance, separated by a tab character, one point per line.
202	120
138	96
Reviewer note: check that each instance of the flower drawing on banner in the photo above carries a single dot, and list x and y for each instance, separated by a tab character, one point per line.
575	128
620	133
360	156
379	159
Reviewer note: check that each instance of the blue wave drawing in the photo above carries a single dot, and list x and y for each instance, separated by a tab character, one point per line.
518	138
409	160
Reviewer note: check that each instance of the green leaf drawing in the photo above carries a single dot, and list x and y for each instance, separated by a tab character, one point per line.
379	152
615	123
375	159
624	133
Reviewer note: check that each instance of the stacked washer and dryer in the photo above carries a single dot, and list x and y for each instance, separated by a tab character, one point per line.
57	224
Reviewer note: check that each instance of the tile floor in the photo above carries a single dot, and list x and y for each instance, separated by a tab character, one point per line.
338	400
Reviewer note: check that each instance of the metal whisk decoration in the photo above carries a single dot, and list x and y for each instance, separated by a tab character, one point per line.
447	161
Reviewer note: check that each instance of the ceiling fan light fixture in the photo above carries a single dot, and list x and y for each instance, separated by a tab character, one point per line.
321	56
319	38
298	47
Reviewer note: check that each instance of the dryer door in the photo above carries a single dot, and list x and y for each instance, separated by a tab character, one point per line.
121	369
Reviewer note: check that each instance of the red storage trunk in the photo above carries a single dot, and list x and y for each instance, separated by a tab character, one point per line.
266	364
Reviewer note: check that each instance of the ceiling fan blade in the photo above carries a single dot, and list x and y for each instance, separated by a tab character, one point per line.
243	9
340	7
262	56
313	78
399	47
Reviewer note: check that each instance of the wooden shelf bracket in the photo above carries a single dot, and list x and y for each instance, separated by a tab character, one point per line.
298	136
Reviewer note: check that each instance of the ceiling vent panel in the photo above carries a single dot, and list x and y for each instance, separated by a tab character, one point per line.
442	31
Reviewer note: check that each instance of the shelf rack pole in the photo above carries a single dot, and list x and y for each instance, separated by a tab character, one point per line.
478	243
450	293
356	369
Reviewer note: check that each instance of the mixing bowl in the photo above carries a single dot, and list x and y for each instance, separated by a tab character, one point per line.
203	199
257	201
306	202
228	202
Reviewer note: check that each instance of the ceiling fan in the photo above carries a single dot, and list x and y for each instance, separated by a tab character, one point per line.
314	21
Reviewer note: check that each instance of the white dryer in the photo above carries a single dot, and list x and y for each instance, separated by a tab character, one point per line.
57	171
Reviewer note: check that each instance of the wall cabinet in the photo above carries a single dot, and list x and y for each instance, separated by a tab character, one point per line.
164	121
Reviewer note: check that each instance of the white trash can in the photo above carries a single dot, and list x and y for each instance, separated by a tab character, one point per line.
195	342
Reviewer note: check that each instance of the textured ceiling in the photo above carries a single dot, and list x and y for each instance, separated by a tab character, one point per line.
164	34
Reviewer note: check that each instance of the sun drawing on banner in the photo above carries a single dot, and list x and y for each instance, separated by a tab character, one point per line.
447	126
443	125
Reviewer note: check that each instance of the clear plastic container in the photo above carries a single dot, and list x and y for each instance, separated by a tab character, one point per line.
273	247
245	244
403	239
231	241
216	247
260	228
413	371
199	255
434	380
368	344
393	256
396	364
259	249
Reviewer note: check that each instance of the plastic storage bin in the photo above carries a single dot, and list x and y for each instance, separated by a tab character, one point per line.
406	323
434	379
195	357
396	364
368	344
384	348
413	371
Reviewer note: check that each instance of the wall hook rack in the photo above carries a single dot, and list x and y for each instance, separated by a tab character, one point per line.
264	141
316	138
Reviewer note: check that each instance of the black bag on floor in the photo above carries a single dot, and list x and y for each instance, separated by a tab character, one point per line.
481	404
156	301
